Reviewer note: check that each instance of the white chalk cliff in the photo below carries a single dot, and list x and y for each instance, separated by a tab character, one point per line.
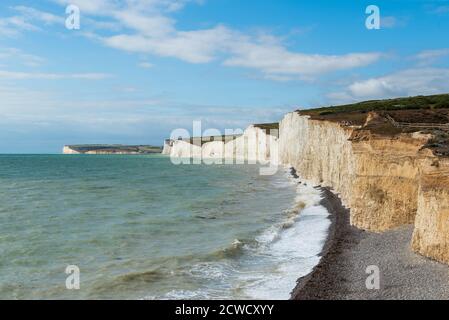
385	181
254	146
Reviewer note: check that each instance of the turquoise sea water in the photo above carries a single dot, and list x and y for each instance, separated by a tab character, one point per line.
139	227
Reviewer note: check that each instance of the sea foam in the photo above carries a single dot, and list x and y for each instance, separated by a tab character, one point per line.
269	266
293	246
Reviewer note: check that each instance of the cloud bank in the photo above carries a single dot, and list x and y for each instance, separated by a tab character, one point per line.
147	27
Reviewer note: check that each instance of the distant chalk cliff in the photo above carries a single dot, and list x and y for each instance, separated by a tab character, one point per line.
110	149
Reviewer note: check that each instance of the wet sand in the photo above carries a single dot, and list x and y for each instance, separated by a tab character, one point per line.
341	274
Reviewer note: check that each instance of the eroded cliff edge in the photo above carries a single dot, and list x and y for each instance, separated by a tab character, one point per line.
386	180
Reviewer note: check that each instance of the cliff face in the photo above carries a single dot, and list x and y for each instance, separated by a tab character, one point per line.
110	149
182	149
320	151
431	236
255	145
387	181
167	148
68	150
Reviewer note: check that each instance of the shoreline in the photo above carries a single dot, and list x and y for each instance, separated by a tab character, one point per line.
348	251
315	284
306	286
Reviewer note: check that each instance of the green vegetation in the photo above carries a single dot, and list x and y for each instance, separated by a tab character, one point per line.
268	126
429	114
440	101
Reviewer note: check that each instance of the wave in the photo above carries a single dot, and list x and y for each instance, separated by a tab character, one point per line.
267	266
145	276
293	246
233	251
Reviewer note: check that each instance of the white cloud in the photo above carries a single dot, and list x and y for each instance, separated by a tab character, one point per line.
25	19
51	76
26	59
96	7
145	65
202	46
29	13
410	82
430	56
146	27
14	98
275	60
108	7
154	25
13	26
199	46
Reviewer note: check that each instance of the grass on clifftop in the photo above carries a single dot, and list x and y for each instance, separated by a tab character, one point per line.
440	101
268	126
413	110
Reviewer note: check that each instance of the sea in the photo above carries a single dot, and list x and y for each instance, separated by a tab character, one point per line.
139	227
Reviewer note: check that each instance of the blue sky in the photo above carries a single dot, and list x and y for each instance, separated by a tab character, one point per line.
137	69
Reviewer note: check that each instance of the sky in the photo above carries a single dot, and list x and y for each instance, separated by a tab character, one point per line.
135	70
